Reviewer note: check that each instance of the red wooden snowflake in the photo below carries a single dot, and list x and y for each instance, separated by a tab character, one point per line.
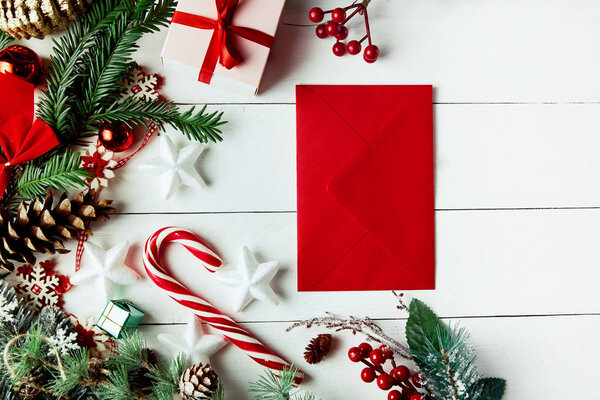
40	286
90	337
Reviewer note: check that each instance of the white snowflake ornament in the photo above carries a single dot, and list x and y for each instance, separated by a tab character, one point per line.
251	279
101	164
176	166
141	85
193	342
63	342
39	286
105	269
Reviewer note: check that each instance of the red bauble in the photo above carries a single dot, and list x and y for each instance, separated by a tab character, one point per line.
418	379
342	34
365	349
338	15
401	373
354	354
316	14
333	28
339	49
377	357
368	375
353	47
115	136
371	53
321	31
385	382
394	395
23	62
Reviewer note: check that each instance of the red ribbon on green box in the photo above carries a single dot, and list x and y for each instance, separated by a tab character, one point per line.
221	48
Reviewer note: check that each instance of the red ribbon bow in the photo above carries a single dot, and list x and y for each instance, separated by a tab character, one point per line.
221	47
20	139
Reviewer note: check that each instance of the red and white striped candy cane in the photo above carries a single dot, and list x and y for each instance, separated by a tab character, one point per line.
202	308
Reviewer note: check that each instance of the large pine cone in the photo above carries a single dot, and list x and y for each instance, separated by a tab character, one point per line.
198	383
23	19
39	228
317	348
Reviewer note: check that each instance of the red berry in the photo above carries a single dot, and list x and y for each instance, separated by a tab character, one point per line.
365	349
339	49
387	353
384	381
377	357
401	373
354	354
321	31
394	395
417	396
338	15
407	393
418	379
368	375
332	28
343	33
316	14
371	53
353	47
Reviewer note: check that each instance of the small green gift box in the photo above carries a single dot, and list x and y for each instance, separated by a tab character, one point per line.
119	315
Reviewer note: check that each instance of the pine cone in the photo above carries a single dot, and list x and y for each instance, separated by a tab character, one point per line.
38	377
317	348
198	383
96	371
39	228
23	19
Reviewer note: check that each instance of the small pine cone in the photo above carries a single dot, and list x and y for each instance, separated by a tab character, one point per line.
37	377
97	372
198	383
317	348
39	228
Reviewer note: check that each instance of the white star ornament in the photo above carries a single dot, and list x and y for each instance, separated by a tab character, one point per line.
105	269
193	342
251	280
176	166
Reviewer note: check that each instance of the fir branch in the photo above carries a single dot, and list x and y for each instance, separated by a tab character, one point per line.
5	40
200	126
117	387
449	366
166	380
76	371
61	171
131	354
276	387
56	101
365	326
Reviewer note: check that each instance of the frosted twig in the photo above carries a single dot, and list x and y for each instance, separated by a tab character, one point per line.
401	304
365	326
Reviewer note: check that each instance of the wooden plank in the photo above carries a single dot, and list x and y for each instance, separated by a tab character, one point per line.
489	263
488	51
529	353
487	156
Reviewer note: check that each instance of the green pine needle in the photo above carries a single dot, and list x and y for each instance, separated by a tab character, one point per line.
200	126
270	386
5	40
61	171
76	371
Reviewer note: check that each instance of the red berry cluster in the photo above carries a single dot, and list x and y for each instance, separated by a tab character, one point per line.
336	27
399	375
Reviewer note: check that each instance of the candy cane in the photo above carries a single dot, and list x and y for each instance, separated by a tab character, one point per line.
202	308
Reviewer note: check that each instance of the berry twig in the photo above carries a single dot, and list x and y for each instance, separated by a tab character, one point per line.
336	27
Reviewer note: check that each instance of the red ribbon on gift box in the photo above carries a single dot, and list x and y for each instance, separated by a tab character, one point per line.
221	48
22	139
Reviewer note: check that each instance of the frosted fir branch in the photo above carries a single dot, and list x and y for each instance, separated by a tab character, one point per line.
365	326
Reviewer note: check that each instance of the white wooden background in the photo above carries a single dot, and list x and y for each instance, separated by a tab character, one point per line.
517	131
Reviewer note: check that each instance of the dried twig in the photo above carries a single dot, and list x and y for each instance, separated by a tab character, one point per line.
401	304
364	326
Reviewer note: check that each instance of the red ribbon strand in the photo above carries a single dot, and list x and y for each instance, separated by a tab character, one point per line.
221	47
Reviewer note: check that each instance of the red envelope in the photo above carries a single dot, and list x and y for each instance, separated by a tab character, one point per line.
365	188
